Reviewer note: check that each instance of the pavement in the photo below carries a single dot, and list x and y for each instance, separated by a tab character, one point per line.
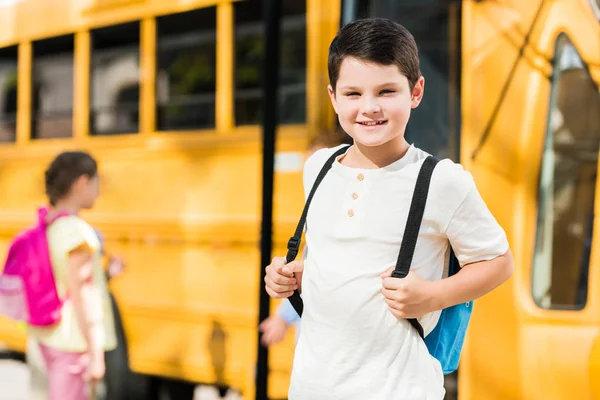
15	382
20	381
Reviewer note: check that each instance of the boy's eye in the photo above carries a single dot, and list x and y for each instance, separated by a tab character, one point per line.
388	91
352	94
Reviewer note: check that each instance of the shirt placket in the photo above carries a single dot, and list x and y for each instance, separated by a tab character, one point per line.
354	204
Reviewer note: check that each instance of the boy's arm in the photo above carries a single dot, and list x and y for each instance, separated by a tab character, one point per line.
287	313
481	247
473	281
478	241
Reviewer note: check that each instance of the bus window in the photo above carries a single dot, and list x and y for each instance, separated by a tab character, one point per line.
567	185
52	88
596	7
186	70
435	25
8	94
249	47
115	80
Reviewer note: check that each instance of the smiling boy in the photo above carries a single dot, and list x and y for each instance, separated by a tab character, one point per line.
356	342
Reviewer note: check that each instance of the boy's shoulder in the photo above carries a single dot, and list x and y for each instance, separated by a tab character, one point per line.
316	161
448	176
319	157
450	182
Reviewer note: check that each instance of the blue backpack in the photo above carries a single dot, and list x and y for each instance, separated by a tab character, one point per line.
446	340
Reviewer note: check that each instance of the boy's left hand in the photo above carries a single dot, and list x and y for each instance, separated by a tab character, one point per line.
116	266
410	297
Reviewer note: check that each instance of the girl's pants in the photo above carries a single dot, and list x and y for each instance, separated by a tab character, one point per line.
66	373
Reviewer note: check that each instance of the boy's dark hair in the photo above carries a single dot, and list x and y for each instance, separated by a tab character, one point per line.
66	168
378	40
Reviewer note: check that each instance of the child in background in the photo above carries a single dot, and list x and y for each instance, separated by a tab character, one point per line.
73	349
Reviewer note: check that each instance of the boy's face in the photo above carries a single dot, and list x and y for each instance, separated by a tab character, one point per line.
373	101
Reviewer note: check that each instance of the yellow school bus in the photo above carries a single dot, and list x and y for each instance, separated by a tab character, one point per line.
167	96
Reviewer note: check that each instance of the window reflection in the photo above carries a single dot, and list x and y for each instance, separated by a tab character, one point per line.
249	51
115	90
186	70
8	94
567	185
435	25
596	7
52	88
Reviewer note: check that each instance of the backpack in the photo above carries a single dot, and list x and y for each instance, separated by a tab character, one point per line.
27	286
446	340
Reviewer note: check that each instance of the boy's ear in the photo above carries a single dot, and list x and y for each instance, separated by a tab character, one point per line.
332	97
417	93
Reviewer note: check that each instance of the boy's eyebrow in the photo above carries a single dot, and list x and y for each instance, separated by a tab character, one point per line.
346	87
388	84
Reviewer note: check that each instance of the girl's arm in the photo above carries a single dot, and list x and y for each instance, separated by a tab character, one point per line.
87	311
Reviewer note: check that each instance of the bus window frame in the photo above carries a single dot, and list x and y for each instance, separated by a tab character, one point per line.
224	122
556	72
595	4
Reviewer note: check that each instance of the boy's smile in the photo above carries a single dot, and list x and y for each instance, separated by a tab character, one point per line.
372	124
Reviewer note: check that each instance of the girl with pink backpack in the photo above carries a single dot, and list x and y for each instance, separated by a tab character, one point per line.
53	279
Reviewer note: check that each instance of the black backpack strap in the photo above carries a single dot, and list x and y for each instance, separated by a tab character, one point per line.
294	242
413	224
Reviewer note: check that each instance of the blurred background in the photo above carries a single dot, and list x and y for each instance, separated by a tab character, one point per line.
169	97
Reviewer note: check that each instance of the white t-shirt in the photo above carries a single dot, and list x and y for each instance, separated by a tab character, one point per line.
351	346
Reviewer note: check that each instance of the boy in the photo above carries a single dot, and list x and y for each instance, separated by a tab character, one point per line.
355	341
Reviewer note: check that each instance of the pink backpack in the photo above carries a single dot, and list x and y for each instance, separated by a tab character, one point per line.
27	287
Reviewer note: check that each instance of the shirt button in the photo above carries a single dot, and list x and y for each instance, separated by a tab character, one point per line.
360	177
350	213
355	196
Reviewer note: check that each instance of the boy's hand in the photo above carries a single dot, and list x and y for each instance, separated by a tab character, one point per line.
116	266
273	330
282	279
410	297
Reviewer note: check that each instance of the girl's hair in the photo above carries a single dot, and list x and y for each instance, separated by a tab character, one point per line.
66	168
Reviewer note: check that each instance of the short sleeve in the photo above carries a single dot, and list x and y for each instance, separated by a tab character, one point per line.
472	230
287	312
72	232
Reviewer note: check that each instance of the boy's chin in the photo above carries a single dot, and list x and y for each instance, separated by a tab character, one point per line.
371	141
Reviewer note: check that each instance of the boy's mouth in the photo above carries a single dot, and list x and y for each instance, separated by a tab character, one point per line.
372	123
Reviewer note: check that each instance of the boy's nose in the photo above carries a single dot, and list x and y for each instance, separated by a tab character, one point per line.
371	107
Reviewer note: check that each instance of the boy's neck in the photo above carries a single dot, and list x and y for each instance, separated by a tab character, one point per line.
367	157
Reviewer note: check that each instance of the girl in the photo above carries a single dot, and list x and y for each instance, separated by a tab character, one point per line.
73	349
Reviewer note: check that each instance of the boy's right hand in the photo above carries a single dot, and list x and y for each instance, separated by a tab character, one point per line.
282	279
